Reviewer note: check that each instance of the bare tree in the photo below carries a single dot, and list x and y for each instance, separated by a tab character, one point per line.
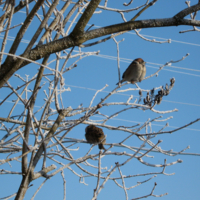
34	135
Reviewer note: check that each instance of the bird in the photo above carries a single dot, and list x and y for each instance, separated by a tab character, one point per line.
95	135
135	72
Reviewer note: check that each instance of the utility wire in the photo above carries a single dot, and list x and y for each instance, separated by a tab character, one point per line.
125	120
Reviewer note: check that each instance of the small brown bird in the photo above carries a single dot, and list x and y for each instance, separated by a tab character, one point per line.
135	72
95	135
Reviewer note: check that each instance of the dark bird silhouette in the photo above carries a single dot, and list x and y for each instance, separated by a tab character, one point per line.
135	72
95	135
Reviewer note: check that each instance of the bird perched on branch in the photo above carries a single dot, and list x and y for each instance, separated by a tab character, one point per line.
95	135
135	72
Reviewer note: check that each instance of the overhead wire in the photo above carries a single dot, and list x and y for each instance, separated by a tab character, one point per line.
125	120
80	87
127	60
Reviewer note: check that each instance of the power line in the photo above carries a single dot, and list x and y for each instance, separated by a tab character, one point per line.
130	60
127	60
175	71
80	87
182	42
125	120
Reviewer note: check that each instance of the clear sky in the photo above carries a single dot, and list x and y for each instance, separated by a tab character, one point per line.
94	72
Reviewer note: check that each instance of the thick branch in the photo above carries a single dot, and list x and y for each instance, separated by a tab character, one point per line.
187	11
79	28
67	42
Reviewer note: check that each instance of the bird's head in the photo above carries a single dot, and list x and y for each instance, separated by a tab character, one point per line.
140	61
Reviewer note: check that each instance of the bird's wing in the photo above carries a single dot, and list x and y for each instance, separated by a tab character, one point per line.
129	69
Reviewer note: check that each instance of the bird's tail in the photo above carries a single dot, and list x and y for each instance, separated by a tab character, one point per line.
101	146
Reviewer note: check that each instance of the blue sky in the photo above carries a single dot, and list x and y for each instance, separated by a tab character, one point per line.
94	72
